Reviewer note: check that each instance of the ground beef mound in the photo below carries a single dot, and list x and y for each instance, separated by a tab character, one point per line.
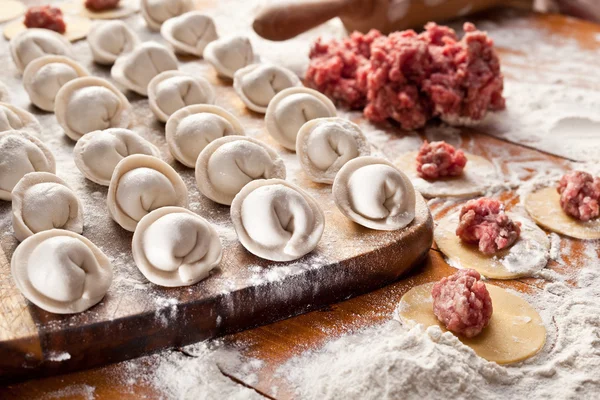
579	195
484	222
411	77
101	5
462	303
439	159
46	17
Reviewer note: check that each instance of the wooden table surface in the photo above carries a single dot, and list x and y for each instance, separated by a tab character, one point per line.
276	343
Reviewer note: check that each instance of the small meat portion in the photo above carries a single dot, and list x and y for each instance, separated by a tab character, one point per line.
46	17
439	159
579	195
462	303
484	222
101	5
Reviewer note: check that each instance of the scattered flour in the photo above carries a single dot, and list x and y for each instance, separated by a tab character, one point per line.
58	356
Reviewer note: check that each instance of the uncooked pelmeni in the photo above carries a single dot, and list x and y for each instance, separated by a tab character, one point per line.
34	43
89	104
4	93
175	247
156	12
192	128
291	108
42	201
109	39
98	153
15	118
373	193
257	84
170	91
324	145
44	76
227	164
277	220
135	70
189	33
229	54
141	184
20	154
61	271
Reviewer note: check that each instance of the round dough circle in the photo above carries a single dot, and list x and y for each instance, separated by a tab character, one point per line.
189	33
232	162
123	9
77	28
109	39
166	234
43	257
527	256
10	9
156	12
473	182
33	43
229	54
17	119
544	207
515	332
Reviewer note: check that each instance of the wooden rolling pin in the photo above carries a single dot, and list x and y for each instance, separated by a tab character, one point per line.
284	19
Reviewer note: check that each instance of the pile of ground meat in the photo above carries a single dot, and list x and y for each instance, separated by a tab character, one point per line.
411	77
439	159
484	222
46	17
101	5
462	303
579	195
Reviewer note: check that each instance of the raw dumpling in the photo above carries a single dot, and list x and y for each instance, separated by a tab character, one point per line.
15	118
175	247
44	76
227	164
109	39
4	93
324	145
141	184
277	220
20	154
170	91
98	153
135	70
192	128
229	54
61	272
155	12
42	201
90	104
34	43
189	33
373	193
257	84
291	108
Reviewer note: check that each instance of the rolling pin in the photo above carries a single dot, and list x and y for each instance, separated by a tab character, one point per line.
284	19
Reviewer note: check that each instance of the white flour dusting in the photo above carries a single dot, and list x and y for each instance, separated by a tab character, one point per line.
55	356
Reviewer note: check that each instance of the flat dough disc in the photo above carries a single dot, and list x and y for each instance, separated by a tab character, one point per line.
515	332
528	255
125	8
473	182
544	208
10	9
77	28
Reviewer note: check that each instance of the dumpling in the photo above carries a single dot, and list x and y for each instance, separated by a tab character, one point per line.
44	76
4	93
277	220
229	54
324	145
291	108
42	201
373	193
141	184
98	153
175	247
155	12
36	42
135	70
110	39
89	104
192	128
20	154
61	271
227	164
15	118
189	33
170	91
